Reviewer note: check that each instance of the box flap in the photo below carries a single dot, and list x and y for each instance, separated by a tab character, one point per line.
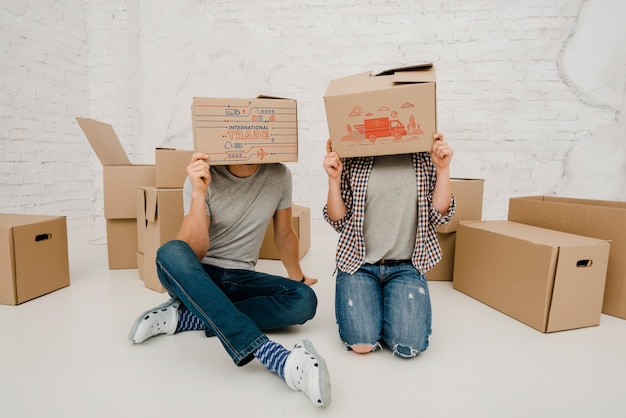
10	220
419	73
152	197
267	96
141	220
104	142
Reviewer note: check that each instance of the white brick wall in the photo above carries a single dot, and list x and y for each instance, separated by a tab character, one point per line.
510	98
44	165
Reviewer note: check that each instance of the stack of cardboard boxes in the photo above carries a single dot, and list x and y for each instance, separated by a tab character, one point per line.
159	211
121	179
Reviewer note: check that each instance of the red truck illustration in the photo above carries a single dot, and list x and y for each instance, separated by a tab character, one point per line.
381	127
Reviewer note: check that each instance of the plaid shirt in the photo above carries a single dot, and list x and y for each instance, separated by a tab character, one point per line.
351	247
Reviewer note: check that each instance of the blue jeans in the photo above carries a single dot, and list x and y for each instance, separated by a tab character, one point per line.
234	305
388	303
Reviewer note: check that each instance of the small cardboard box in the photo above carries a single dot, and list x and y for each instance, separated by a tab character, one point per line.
600	219
121	178
245	131
390	112
443	271
33	256
160	216
122	243
469	202
171	167
301	220
549	280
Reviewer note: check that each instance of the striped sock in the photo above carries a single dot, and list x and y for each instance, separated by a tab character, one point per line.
187	321
273	356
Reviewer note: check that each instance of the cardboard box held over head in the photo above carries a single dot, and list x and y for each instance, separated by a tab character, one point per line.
33	256
245	131
602	219
121	179
549	280
390	112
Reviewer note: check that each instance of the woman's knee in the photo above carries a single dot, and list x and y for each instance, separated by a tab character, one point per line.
404	351
363	348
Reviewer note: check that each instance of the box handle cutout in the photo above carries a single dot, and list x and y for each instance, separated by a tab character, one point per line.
584	263
42	237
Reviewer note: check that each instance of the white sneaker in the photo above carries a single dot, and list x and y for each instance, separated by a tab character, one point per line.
306	371
160	320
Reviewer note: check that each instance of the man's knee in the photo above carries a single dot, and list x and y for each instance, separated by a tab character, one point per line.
307	302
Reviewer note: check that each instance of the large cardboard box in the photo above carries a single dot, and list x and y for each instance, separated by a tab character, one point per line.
600	219
121	178
160	215
33	256
245	131
549	280
171	167
301	220
390	112
469	202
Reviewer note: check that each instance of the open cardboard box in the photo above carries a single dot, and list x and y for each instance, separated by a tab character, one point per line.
33	256
602	219
121	179
390	112
549	280
258	130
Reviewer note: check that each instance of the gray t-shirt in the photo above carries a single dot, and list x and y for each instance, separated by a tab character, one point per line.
240	209
390	221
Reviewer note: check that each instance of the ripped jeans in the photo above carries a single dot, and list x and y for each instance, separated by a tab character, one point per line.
388	303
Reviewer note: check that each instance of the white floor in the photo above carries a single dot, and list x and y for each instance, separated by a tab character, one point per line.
67	355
